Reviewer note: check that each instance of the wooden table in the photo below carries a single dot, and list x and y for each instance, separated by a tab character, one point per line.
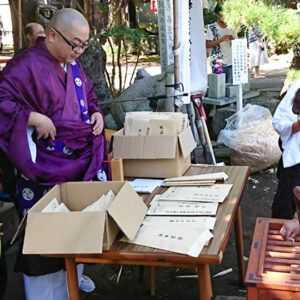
229	215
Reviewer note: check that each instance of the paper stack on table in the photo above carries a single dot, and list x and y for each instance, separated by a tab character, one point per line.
177	220
196	180
181	208
214	193
141	185
185	239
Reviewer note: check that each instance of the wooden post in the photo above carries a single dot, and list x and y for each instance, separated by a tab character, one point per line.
19	24
176	46
239	244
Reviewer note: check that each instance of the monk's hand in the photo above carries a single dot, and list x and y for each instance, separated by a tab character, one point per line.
43	125
290	229
97	122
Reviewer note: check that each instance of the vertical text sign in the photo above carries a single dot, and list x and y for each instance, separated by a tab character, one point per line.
239	61
153	6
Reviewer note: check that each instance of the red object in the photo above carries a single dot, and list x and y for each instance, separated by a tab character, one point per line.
153	6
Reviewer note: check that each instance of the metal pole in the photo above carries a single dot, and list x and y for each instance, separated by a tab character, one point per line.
239	103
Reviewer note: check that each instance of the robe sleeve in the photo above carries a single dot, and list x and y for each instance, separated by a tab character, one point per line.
12	111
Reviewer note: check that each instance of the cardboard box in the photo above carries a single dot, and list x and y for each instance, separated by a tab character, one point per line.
154	156
82	232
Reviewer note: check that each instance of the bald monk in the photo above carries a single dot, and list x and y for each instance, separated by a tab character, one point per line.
32	32
52	131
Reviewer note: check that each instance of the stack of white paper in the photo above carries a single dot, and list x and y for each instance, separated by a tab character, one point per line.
185	239
54	206
214	193
141	185
102	204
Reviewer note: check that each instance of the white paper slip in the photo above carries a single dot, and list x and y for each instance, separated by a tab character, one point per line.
54	206
141	185
102	204
188	183
181	239
205	222
214	193
177	208
211	176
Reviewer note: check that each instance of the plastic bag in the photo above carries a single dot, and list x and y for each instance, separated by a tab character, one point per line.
250	135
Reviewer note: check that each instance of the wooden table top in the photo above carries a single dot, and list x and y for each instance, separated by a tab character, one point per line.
126	253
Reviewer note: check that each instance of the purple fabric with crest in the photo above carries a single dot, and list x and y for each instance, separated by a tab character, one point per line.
35	81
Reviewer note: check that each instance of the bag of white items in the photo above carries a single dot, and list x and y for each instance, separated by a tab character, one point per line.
250	135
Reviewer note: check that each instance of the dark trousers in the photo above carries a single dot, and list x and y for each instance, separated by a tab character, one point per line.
284	201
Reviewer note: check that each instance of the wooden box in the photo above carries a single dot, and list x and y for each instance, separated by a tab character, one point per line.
274	264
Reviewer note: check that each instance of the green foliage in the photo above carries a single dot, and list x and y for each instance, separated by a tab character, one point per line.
136	36
276	23
293	75
103	7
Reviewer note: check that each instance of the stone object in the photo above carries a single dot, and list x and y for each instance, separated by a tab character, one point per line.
141	74
218	122
270	103
216	83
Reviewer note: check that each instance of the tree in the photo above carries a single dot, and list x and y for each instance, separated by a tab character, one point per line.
279	24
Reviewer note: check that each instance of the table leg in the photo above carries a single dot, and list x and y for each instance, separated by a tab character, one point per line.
239	244
72	278
205	291
152	281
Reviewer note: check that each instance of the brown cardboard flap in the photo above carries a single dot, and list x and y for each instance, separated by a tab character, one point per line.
64	233
53	193
128	210
144	147
187	142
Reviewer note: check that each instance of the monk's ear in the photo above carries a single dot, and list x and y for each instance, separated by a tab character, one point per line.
51	35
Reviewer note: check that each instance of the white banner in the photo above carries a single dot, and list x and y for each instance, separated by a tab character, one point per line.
184	48
198	49
193	68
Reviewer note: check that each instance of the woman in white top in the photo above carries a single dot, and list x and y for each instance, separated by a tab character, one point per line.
218	40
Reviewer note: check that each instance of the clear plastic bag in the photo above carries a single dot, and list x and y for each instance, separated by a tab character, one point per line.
250	135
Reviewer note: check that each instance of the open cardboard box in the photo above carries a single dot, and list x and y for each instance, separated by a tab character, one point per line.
159	156
82	232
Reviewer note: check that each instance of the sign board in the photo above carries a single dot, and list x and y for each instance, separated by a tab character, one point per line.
239	61
153	6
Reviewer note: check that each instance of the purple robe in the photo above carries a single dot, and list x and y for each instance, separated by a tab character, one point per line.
35	81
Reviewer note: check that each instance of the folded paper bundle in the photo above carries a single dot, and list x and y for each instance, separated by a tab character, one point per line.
102	204
155	123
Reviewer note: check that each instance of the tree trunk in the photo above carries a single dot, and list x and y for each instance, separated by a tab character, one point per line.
296	59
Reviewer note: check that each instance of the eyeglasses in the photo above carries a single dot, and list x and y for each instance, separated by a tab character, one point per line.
73	46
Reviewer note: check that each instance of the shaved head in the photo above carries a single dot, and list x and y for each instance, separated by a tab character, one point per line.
68	19
67	35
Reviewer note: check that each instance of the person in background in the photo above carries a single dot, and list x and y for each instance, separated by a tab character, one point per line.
32	32
286	122
52	131
218	41
257	52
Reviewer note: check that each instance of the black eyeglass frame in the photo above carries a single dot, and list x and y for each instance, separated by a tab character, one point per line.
73	46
